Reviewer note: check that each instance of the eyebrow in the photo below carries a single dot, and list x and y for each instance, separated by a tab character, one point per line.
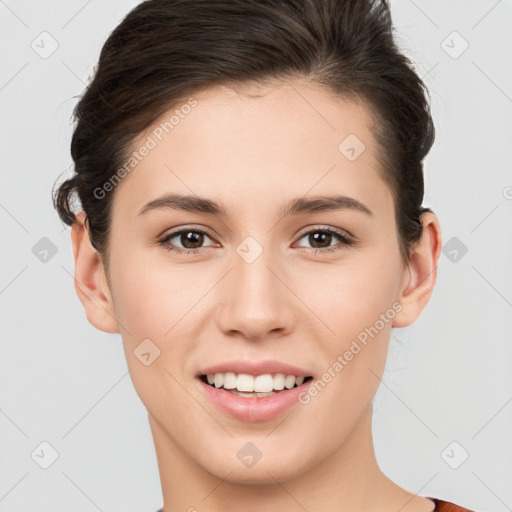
301	205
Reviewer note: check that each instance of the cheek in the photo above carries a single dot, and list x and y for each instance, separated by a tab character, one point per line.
144	295
353	296
149	301
159	301
357	303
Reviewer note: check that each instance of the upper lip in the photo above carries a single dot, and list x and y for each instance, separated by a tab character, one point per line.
255	368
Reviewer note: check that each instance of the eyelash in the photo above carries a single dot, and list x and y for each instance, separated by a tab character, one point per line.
344	239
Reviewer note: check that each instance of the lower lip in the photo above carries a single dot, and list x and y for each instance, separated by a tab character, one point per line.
253	409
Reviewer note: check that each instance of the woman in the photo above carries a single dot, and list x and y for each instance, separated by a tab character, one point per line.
250	184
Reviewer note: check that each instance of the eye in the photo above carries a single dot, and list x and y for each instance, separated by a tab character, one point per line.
191	239
320	239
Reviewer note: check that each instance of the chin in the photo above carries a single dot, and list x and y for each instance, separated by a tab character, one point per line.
235	465
260	474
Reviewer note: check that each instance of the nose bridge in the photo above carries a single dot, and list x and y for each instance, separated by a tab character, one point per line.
256	301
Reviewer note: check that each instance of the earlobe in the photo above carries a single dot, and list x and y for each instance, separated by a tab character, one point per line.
91	284
421	272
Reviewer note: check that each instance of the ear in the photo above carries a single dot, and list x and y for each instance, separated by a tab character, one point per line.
421	272
91	283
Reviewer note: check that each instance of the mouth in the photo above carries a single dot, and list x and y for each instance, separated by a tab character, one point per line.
254	391
257	398
241	387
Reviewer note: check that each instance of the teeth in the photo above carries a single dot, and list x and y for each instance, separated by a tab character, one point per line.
245	382
229	381
260	384
252	395
218	380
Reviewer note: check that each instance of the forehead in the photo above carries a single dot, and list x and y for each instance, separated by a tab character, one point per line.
257	145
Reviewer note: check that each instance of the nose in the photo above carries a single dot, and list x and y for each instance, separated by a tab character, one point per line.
255	299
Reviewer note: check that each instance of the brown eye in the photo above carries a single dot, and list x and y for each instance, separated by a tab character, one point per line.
321	240
317	239
191	240
194	238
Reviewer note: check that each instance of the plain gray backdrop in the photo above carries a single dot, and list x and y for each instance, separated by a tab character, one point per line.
443	412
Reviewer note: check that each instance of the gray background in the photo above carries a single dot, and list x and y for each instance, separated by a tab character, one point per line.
448	377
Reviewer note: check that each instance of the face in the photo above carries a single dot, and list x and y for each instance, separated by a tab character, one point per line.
257	284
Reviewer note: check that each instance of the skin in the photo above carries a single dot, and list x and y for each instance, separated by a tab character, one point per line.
254	154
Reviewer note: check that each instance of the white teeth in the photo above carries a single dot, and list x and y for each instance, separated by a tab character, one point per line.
289	382
245	382
218	380
264	383
229	380
252	395
279	381
260	384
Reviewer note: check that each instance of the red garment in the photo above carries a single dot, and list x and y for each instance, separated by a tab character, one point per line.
446	506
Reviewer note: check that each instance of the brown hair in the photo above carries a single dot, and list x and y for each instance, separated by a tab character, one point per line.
166	50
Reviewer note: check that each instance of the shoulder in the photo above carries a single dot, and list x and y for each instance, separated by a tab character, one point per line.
446	506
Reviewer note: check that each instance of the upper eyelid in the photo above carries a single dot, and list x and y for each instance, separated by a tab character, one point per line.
178	230
320	227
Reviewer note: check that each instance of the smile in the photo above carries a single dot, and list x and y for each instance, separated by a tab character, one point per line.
253	398
253	386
